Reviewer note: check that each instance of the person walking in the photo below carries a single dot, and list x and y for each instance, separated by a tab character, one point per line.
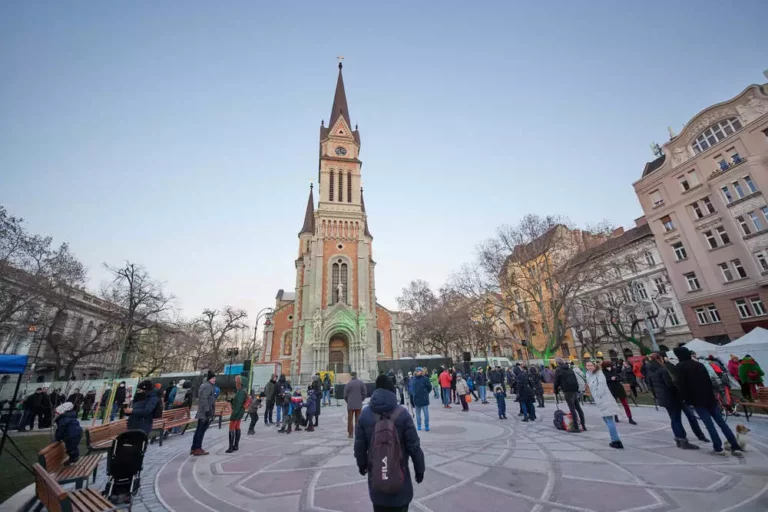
144	405
420	389
628	374
46	411
462	390
637	371
750	376
270	391
445	386
117	405
566	381
327	389
605	402
617	389
526	396
662	384
354	395
205	407
695	386
236	416
389	491
103	403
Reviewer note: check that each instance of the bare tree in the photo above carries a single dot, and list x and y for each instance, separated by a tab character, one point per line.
217	326
141	304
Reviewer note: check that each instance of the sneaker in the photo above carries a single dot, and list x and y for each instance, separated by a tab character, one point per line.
526	420
737	453
721	453
505	416
617	445
426	428
418	427
703	439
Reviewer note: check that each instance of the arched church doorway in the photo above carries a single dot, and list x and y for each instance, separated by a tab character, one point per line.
338	354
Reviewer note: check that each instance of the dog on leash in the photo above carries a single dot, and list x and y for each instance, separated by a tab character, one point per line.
741	438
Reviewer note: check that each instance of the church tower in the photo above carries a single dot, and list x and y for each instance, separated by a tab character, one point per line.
332	322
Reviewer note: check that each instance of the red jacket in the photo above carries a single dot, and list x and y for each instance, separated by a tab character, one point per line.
637	369
733	368
445	379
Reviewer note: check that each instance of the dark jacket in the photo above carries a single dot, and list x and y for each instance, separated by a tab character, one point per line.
326	383
693	380
420	388
496	376
565	379
663	386
317	386
238	405
77	400
141	415
270	390
89	400
68	429
480	380
32	402
629	375
524	389
536	380
312	407
614	382
105	398
120	395
354	394
282	391
384	401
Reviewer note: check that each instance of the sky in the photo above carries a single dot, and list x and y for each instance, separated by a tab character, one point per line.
183	135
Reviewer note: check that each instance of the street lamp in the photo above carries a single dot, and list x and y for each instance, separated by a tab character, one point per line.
265	311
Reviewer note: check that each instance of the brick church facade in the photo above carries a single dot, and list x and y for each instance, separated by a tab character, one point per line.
332	321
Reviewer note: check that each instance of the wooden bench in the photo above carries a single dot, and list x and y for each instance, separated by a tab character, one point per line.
171	419
53	457
100	438
220	410
56	499
760	402
549	388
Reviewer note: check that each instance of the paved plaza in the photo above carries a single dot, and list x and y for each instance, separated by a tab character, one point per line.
475	462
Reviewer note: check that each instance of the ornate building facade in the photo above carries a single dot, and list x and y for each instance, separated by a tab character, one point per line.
332	321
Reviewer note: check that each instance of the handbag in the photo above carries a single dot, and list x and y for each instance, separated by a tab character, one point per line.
468	398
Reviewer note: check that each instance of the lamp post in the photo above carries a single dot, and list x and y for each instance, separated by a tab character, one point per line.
260	314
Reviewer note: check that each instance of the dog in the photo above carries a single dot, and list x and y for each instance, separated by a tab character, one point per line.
741	438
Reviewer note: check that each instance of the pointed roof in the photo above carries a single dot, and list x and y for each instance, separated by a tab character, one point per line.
362	205
339	108
309	216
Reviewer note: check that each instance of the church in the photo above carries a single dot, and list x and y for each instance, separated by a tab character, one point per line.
332	322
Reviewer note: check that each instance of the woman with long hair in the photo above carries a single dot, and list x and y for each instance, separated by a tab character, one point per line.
605	402
617	389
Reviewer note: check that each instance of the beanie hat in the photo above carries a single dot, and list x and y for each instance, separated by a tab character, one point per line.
384	382
210	375
145	385
65	407
682	353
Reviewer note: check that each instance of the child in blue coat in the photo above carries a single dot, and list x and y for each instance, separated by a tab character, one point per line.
501	403
311	406
69	431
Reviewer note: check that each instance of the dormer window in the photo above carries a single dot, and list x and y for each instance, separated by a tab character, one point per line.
715	134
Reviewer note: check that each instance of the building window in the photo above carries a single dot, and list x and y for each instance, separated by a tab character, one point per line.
764	210
750	184
379	344
649	259
345	282
741	306
78	326
672	317
708	206
341	186
756	221
762	259
642	294
711	239
656	198
693	282
689	181
737	188
330	185
739	268
349	186
288	343
626	295
701	316
680	253
666	221
339	275
744	225
652	319
726	270
727	194
713	314
661	287
715	134
757	306
723	234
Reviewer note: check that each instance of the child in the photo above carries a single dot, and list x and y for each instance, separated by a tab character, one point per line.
294	412
253	412
68	429
311	409
501	402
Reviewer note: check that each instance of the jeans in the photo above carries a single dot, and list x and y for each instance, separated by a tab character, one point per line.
608	420
707	416
688	411
502	407
434	389
197	439
446	396
529	409
327	396
279	413
571	398
676	418
483	390
113	413
419	410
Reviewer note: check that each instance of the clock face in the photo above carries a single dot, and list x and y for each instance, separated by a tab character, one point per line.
341	151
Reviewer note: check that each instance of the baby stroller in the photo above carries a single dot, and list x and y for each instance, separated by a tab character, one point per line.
124	463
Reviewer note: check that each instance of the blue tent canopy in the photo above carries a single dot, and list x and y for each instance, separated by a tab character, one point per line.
13	364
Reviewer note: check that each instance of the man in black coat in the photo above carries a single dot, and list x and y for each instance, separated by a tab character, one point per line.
565	381
270	392
696	389
31	407
384	401
662	385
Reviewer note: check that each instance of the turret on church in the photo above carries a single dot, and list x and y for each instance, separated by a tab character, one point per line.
332	321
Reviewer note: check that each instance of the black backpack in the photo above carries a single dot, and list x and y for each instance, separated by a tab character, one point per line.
387	475
559	420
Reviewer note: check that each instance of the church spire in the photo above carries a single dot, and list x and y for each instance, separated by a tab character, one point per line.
309	216
362	206
339	108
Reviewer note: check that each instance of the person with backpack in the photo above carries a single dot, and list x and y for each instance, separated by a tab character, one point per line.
750	376
605	401
420	389
385	438
565	380
501	402
144	404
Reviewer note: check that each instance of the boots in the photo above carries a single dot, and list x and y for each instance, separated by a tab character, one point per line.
683	444
289	428
316	420
231	442
310	428
616	418
237	439
617	444
632	422
282	429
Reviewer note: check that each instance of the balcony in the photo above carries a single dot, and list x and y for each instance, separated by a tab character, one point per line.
726	166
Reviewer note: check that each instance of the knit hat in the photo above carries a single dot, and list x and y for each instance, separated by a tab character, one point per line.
210	375
384	382
145	385
65	407
682	353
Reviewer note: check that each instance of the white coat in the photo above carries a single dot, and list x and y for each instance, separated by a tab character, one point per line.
601	394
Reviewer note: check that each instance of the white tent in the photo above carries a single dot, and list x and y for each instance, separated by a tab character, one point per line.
754	343
701	347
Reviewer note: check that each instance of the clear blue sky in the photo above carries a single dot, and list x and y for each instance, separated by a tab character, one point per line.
183	135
